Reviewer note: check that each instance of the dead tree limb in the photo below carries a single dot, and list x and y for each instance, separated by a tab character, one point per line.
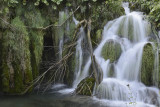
98	74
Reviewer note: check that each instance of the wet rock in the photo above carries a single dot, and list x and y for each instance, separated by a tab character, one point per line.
147	68
111	50
86	86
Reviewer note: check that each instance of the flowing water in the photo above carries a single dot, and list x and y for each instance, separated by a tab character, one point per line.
79	55
79	75
124	87
79	59
130	32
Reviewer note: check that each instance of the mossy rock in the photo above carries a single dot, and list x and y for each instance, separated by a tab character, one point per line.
86	86
111	50
147	68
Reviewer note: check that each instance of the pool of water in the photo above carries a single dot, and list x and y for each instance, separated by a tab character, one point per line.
61	100
47	100
61	96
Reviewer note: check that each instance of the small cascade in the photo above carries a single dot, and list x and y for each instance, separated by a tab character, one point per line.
79	59
125	5
63	30
60	48
129	32
61	33
79	75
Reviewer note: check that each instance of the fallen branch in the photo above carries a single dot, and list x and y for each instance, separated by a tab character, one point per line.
98	74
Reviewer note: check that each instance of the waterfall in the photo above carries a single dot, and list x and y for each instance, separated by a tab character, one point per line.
63	30
125	5
61	33
130	32
79	59
60	48
79	75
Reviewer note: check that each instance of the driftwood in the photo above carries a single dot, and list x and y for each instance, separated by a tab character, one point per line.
98	74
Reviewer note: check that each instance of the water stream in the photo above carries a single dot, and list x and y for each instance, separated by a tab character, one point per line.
130	32
124	86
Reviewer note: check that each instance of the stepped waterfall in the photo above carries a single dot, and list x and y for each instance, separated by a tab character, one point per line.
80	53
125	37
121	82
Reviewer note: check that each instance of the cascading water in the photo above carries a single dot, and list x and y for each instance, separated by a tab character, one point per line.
79	59
61	33
79	75
130	32
60	48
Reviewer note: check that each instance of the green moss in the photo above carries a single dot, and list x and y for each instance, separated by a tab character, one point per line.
5	78
16	68
28	77
18	79
86	86
112	70
129	29
36	39
34	19
111	50
147	68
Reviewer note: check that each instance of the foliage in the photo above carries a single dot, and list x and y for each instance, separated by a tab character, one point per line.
34	19
155	15
150	7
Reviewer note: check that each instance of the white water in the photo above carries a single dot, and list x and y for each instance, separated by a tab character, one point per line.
126	87
79	59
79	74
61	33
60	48
125	5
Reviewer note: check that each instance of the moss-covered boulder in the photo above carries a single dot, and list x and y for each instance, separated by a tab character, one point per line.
86	86
111	50
147	67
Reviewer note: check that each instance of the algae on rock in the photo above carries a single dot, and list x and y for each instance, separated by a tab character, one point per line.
16	69
147	67
111	50
86	86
